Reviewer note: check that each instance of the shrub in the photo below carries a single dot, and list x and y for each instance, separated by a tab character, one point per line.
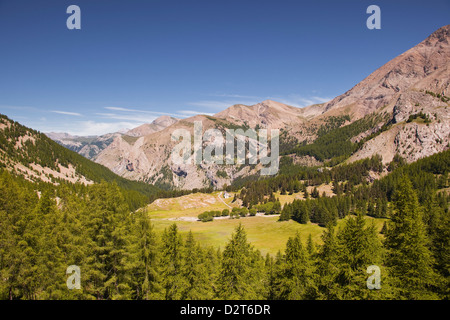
206	216
209	215
222	174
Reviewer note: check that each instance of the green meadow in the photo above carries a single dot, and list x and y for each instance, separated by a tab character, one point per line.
266	233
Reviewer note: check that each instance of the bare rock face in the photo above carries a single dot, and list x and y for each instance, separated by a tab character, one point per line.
412	141
417	141
306	161
165	121
90	147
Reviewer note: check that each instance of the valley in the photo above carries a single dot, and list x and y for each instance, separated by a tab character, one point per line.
362	180
265	232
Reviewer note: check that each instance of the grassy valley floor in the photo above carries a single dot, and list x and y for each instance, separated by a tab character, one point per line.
266	233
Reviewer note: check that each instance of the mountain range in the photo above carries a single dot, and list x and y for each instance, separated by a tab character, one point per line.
91	146
401	108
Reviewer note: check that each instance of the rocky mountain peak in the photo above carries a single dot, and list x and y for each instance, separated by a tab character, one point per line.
441	35
165	121
423	67
158	124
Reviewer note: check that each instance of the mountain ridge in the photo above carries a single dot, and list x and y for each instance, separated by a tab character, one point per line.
91	146
37	158
414	84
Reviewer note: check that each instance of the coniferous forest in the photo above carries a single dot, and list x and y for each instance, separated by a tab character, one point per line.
121	256
226	158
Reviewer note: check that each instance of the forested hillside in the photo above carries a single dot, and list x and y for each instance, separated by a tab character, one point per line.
28	147
122	257
356	190
334	142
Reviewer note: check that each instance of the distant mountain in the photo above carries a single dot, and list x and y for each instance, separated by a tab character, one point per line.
88	147
31	154
149	128
147	158
91	146
267	114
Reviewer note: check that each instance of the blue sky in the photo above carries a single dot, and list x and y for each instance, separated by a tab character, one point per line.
133	61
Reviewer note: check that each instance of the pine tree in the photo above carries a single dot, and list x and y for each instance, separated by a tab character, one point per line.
310	246
315	193
438	227
294	279
194	272
359	248
409	258
273	269
286	213
384	228
211	259
144	259
171	264
50	259
107	227
18	241
305	193
73	239
327	266
268	276
239	276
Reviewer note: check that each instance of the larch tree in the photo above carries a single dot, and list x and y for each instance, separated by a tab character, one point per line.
194	271
171	264
409	258
359	248
238	276
295	276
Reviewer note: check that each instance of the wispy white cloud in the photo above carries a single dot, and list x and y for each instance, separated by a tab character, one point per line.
95	128
193	113
138	118
136	114
226	95
18	107
321	99
115	119
67	113
142	111
87	128
118	109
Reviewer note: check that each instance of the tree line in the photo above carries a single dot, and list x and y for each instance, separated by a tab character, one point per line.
354	193
122	257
